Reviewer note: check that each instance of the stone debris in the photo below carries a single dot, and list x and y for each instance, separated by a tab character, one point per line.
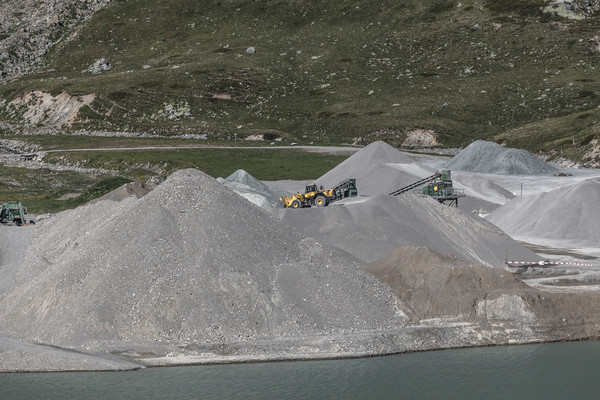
99	66
440	286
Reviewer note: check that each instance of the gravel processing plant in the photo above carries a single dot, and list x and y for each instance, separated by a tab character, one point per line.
200	270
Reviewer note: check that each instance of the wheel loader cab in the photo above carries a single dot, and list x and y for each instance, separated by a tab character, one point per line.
310	188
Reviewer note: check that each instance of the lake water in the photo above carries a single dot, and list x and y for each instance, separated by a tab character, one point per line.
548	371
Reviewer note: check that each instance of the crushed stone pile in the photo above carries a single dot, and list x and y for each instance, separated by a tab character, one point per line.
190	264
371	168
439	287
136	189
568	213
372	228
492	158
13	247
436	285
252	189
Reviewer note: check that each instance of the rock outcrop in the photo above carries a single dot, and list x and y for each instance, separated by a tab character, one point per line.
28	29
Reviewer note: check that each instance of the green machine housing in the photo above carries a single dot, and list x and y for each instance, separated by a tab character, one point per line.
12	212
441	187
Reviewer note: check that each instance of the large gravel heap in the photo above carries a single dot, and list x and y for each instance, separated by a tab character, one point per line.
189	264
372	167
372	228
491	158
569	213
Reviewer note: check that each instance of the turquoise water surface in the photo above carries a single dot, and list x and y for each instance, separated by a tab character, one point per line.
546	371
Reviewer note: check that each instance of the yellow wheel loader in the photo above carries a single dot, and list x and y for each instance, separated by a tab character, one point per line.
315	196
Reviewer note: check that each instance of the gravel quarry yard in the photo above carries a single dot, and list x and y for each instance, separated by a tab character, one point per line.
200	270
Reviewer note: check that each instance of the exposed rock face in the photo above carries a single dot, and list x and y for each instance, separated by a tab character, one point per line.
29	28
40	107
421	138
99	66
573	9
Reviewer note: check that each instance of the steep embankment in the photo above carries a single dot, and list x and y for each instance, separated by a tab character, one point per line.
440	289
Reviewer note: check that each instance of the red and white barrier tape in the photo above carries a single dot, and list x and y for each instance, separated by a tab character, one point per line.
549	263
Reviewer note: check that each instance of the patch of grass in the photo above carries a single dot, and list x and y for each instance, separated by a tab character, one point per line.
440	6
587	93
267	164
518	6
39	189
99	189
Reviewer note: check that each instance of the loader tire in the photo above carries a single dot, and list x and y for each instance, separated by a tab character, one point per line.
320	201
296	204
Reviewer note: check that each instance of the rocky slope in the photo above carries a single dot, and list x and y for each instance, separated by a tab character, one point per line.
30	28
466	70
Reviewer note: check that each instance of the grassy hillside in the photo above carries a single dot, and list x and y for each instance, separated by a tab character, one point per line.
330	72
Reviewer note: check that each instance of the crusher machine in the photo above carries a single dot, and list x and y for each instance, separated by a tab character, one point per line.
439	186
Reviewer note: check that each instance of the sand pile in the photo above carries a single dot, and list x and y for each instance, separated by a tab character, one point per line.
568	213
491	158
189	264
437	286
372	170
372	228
252	189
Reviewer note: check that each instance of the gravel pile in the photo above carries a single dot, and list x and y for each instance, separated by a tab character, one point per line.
13	247
491	158
372	170
252	189
372	228
189	264
436	285
568	213
136	189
